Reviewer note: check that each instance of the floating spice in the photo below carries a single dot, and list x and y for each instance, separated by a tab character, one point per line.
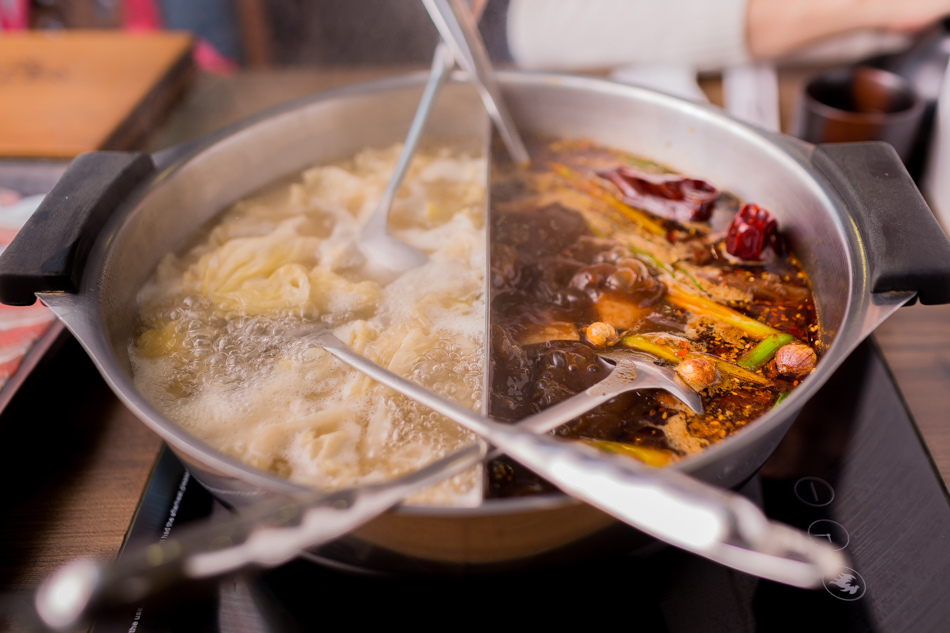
669	196
751	230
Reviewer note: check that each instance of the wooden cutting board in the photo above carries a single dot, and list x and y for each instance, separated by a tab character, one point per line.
67	92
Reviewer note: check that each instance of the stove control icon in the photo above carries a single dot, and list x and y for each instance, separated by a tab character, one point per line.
814	491
848	585
830	532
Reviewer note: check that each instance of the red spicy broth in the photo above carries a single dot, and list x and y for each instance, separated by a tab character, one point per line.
593	248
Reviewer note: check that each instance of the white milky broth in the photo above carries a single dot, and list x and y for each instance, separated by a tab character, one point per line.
218	347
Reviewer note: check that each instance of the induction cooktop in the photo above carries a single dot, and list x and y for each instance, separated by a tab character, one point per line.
852	471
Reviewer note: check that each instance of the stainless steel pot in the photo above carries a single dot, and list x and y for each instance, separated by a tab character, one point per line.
864	235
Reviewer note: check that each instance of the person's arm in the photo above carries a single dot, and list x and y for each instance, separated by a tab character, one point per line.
704	34
779	27
586	34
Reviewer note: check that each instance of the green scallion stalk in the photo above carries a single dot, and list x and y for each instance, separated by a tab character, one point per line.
667	353
645	345
764	350
649	456
707	307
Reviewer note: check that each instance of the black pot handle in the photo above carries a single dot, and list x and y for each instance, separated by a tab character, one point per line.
906	248
49	252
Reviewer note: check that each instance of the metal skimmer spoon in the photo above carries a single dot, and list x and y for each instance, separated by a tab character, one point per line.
379	247
665	503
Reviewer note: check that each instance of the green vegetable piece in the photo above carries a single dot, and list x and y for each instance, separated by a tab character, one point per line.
707	307
764	351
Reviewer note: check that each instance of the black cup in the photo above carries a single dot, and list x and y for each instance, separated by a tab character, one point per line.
860	104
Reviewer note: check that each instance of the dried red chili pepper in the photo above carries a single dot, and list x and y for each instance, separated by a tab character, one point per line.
666	195
751	229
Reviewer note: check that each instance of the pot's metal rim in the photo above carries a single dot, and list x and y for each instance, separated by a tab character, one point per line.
793	153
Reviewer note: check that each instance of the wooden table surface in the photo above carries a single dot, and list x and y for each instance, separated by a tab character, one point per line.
113	82
75	461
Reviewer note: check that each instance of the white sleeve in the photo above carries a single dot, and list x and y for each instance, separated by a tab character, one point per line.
588	34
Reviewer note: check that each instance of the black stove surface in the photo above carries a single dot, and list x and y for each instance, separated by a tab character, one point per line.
852	470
